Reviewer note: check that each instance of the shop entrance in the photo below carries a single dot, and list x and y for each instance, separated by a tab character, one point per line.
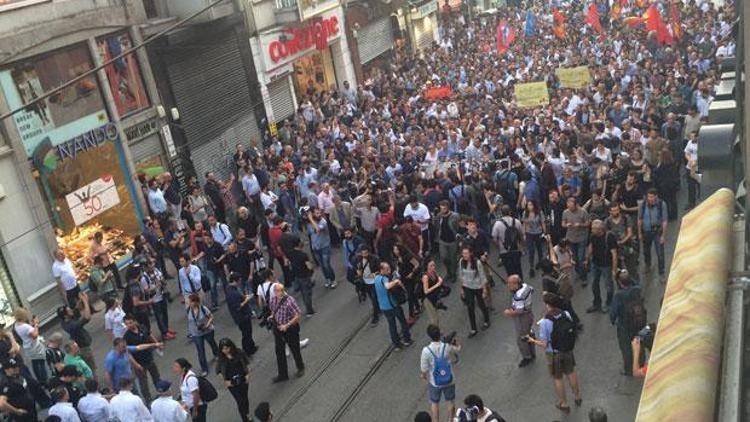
314	73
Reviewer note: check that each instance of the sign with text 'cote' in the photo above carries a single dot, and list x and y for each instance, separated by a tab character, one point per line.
93	199
292	42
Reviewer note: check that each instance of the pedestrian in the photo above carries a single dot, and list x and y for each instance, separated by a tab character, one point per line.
137	336
385	286
508	233
114	318
189	278
474	287
576	220
63	408
16	386
190	395
200	323
478	242
69	378
238	304
447	230
408	269
367	267
475	410
302	270
285	316
101	280
652	229
119	364
233	366
263	412
136	300
436	366
521	311
432	285
321	245
74	323
73	358
557	335
627	313
165	408
533	233
351	245
93	407
99	249
127	407
67	280
154	284
602	258
54	355
620	225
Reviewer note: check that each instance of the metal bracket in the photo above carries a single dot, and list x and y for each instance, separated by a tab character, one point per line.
739	281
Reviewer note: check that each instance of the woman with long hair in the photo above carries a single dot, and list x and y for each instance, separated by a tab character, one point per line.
533	228
431	284
190	394
234	366
408	268
201	329
474	288
32	344
667	181
114	318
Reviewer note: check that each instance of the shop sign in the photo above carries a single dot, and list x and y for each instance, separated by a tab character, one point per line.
87	141
93	199
313	34
424	10
166	134
141	130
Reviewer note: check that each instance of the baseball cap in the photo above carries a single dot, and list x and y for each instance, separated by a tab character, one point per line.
162	386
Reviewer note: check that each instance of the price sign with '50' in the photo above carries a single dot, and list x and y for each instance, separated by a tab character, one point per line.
93	199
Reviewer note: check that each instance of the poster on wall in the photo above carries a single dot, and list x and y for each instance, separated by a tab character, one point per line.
92	199
124	74
74	110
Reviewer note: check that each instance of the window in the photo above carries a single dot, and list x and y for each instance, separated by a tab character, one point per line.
124	75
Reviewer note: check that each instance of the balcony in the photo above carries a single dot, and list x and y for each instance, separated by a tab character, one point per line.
286	11
184	8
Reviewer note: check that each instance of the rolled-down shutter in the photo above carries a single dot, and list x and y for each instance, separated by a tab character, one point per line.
145	148
282	101
424	33
374	39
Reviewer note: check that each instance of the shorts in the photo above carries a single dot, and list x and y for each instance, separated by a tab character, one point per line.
448	392
560	363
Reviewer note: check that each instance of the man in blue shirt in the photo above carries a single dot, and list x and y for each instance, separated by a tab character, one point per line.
189	277
652	228
119	364
390	308
320	241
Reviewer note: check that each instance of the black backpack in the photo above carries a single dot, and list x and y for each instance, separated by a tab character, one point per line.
635	315
463	204
506	189
564	332
511	237
206	390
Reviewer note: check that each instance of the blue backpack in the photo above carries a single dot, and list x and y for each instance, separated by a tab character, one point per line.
442	372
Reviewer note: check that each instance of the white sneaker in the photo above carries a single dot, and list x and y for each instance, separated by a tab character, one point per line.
333	285
303	343
286	351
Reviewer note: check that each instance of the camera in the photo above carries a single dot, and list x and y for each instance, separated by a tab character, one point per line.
237	379
530	336
450	338
468	414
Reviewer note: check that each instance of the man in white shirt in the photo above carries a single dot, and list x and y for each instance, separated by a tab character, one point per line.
165	408
93	407
63	408
523	318
189	276
421	215
219	231
127	407
250	185
62	270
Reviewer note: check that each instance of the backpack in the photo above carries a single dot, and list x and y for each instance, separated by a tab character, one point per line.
505	188
127	301
442	371
511	237
463	205
563	337
206	390
635	315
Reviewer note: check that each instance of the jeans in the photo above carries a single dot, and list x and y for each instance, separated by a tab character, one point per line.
161	316
248	344
649	238
391	316
239	392
323	256
598	271
370	290
534	244
305	285
448	253
213	279
579	254
290	338
694	191
472	296
200	346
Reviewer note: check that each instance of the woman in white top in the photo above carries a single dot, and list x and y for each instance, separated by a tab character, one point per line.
200	208
114	318
32	344
189	391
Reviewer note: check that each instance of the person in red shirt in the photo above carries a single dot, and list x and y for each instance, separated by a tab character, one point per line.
385	237
410	235
274	235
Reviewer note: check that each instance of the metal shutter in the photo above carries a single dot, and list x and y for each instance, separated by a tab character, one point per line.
425	37
146	148
282	102
374	39
210	86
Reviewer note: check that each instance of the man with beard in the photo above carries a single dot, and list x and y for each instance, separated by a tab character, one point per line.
555	209
447	229
320	242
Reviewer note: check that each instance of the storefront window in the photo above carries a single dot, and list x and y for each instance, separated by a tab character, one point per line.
314	73
74	151
124	75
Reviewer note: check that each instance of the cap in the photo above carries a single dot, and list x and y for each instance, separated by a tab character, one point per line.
162	386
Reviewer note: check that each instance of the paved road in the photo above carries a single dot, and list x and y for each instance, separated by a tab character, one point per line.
352	374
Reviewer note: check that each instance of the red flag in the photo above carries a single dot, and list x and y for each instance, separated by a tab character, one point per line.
633	21
504	35
655	23
558	28
675	20
437	92
592	18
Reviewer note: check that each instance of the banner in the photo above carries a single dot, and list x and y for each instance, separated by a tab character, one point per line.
437	92
574	77
532	94
124	75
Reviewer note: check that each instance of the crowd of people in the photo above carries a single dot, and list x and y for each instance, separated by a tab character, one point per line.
415	195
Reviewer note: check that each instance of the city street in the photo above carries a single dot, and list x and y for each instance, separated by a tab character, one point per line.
351	374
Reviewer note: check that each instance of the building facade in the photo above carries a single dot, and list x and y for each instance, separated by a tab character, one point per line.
69	164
